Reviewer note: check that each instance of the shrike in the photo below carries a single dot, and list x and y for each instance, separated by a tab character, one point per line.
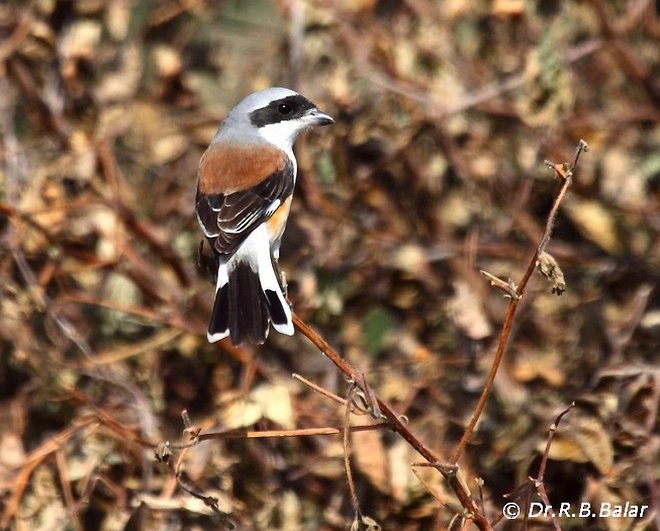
245	184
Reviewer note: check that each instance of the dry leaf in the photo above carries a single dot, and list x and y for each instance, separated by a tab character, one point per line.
582	438
467	313
506	8
595	222
81	40
399	459
550	269
623	181
547	365
241	414
12	453
185	502
371	459
267	401
275	402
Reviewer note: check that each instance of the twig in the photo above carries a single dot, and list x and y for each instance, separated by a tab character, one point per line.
33	461
538	480
15	170
65	480
89	486
478	96
630	62
11	43
551	436
450	472
346	448
438	497
565	173
324	392
209	501
272	434
526	488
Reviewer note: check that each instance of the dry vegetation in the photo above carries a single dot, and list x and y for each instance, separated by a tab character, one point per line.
445	112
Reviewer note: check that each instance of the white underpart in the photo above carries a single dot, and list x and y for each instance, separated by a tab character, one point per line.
259	244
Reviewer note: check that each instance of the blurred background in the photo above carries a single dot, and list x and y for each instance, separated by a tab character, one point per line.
445	113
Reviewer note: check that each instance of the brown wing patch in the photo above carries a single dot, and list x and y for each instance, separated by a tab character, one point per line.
229	168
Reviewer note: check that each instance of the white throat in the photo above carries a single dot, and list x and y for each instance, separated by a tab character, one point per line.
282	134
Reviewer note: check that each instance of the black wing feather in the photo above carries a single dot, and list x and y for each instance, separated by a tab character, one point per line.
228	219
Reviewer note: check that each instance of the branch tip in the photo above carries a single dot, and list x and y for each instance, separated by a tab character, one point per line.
507	287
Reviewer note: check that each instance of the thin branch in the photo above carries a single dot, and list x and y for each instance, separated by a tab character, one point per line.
551	436
65	481
11	43
631	62
538	481
346	448
565	173
476	97
273	434
450	472
324	392
32	461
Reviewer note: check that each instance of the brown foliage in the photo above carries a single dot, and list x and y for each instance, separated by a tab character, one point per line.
434	171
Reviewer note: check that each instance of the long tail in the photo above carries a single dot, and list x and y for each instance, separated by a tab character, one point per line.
248	295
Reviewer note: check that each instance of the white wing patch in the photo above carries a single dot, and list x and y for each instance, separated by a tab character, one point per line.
273	207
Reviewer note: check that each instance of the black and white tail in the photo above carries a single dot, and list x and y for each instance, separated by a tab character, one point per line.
248	295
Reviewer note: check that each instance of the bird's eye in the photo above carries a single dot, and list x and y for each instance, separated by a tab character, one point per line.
284	108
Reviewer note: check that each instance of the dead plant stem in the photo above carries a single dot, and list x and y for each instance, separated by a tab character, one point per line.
451	473
565	174
450	470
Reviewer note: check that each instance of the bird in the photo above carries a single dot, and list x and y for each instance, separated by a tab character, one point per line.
245	183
